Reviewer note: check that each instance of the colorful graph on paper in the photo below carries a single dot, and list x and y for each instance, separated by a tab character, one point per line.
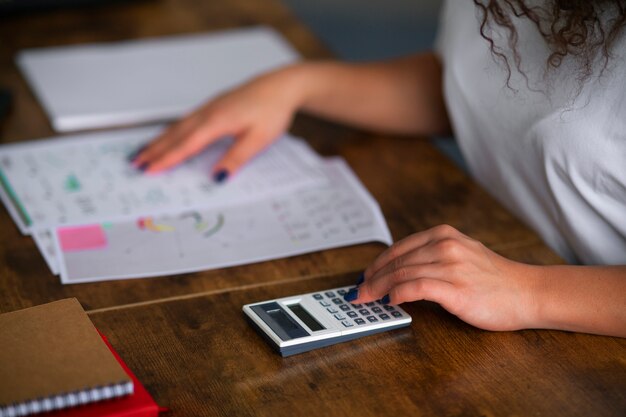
336	213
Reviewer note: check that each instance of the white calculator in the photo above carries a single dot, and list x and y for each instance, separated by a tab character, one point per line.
305	322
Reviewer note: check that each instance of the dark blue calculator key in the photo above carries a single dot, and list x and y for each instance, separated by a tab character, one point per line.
377	310
389	308
330	294
359	321
372	319
337	301
396	314
370	304
341	292
364	312
352	314
344	307
324	303
318	296
356	306
384	316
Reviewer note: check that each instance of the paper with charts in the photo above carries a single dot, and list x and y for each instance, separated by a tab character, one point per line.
84	178
337	213
93	217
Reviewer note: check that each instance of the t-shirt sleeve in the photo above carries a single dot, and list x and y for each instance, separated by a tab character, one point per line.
440	39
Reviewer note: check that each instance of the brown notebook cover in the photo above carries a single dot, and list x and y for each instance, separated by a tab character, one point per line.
52	357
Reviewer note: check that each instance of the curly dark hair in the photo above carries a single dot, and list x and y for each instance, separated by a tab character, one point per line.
583	29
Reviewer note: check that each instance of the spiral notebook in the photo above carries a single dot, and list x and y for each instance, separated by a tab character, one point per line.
52	357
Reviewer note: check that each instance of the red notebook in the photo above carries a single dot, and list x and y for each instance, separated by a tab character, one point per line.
138	404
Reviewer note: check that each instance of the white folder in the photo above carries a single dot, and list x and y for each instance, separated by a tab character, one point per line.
112	84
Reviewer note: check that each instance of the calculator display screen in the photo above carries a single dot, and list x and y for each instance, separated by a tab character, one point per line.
306	317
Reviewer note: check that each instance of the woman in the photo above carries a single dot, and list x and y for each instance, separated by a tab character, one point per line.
535	93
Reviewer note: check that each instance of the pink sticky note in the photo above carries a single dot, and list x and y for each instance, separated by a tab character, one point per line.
82	238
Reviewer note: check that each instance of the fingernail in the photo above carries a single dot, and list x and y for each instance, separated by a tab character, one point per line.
220	176
385	300
351	295
135	154
143	167
361	279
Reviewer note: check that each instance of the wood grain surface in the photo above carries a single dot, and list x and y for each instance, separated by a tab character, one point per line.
185	336
200	357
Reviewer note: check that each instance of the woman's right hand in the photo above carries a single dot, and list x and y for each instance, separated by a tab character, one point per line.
255	114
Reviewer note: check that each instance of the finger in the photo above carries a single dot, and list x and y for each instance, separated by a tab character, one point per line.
408	244
420	262
435	290
173	134
246	147
376	289
176	151
425	254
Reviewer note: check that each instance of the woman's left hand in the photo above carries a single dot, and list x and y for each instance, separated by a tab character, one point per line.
445	266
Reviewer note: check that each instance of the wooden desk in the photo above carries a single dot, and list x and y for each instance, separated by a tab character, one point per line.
185	336
200	357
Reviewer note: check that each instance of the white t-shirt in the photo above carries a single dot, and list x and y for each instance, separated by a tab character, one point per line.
555	158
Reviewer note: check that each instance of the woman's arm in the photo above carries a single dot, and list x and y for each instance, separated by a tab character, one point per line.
492	292
589	299
402	96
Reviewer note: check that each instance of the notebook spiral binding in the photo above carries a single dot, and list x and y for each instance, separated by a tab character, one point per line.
66	400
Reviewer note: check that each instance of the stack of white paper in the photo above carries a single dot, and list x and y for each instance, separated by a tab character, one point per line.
94	217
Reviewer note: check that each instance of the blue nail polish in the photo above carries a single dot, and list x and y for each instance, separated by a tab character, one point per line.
361	279
385	300
143	167
351	295
220	176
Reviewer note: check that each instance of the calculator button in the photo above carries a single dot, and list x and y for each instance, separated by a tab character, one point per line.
377	310
364	312
357	305
372	319
344	307
337	301
324	303
341	292
352	314
330	294
332	310
370	304
384	316
340	316
347	323
389	308
359	321
318	296
396	314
